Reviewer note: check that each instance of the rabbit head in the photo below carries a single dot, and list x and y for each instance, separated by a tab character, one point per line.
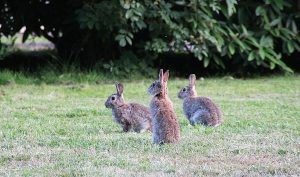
117	99
190	90
159	87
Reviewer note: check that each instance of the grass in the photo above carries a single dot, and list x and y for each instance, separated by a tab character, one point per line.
65	130
18	39
65	77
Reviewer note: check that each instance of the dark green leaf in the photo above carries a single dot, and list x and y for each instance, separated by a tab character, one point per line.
261	53
251	56
275	22
230	6
272	65
206	62
122	42
128	40
294	27
290	46
260	11
231	48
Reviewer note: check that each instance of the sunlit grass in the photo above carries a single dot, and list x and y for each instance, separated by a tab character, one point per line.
65	130
18	39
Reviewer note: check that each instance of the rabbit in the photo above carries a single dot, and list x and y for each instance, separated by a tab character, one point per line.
128	115
199	110
165	127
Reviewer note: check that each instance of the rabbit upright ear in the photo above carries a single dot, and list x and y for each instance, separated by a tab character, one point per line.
192	79
161	75
166	76
120	88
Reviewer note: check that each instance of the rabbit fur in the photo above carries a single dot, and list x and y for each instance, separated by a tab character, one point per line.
199	110
128	115
165	127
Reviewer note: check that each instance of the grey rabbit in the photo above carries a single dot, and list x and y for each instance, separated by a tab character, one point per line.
128	115
199	110
164	121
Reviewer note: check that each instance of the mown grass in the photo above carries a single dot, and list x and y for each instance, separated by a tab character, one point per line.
65	130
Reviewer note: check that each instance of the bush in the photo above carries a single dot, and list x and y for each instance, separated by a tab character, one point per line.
5	51
256	33
129	65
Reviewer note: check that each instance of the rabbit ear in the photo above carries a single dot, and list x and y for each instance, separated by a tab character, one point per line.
161	75
192	79
166	76
120	88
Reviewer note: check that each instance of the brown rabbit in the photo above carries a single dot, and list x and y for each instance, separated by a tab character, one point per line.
199	110
165	125
129	116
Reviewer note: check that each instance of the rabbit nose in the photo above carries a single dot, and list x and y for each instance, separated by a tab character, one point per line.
179	95
106	104
149	91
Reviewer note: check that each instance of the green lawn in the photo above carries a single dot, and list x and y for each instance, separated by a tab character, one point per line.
65	130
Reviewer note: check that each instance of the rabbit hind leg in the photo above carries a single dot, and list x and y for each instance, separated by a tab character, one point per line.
200	117
126	127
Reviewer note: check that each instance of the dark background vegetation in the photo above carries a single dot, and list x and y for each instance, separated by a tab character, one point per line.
118	37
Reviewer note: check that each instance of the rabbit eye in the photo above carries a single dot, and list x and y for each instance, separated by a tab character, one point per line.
113	98
184	89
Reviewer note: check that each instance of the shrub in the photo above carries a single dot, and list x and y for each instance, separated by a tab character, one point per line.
259	33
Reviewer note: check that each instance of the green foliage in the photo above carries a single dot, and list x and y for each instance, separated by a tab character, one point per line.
212	30
5	48
129	65
5	51
258	33
102	16
124	37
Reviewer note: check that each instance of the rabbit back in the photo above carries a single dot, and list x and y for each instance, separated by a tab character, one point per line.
141	117
133	116
202	110
164	120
